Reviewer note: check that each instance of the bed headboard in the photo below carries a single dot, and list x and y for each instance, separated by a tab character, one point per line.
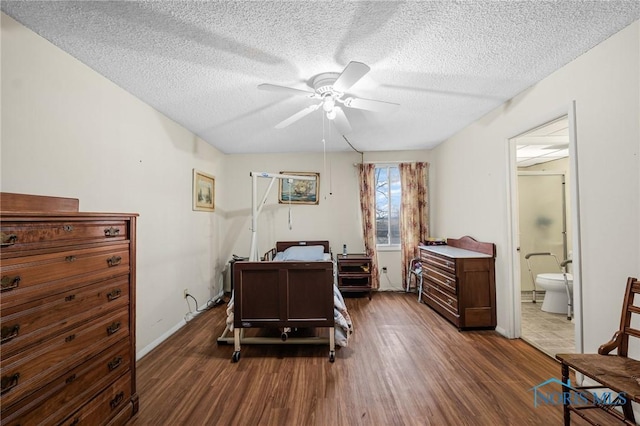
283	245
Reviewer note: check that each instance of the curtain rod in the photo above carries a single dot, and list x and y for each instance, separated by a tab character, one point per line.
383	162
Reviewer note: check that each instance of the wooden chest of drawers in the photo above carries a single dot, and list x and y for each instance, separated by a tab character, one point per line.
459	282
68	313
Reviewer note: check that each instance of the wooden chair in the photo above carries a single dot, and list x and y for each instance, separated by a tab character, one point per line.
616	372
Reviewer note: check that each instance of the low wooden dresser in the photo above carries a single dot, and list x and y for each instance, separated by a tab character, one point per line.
459	281
68	313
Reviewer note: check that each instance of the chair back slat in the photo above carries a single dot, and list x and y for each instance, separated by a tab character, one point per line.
632	332
633	288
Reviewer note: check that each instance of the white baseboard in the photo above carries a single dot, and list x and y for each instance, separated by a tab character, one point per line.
155	343
502	331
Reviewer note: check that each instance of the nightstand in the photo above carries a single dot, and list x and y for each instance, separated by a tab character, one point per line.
354	273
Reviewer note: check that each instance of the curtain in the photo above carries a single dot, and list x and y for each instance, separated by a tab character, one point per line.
367	178
414	211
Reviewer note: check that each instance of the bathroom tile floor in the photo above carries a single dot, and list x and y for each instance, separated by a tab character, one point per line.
550	333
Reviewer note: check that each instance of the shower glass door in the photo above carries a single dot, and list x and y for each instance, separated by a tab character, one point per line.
542	223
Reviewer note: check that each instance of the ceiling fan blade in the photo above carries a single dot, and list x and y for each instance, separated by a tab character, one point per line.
353	72
341	122
370	104
297	116
284	89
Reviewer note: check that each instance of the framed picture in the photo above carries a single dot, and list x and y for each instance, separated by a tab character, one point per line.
204	191
299	191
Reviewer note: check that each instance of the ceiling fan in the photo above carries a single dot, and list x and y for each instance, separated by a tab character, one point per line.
330	88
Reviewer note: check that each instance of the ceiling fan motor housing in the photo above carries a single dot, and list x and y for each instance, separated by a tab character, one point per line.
323	83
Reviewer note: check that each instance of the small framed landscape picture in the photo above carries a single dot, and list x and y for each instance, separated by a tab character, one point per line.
204	191
297	191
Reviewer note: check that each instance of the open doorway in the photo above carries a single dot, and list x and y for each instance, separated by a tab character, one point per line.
542	207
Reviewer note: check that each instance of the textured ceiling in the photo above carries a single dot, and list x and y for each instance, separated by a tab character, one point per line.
446	63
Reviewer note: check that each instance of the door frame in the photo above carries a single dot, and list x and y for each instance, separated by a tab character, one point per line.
515	311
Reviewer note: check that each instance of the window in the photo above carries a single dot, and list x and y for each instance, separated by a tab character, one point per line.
387	206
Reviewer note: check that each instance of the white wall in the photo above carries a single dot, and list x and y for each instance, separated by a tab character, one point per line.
471	174
336	217
67	131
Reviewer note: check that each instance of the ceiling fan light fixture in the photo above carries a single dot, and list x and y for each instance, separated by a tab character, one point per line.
331	114
328	104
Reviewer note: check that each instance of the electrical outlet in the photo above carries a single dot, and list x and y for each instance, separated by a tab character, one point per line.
185	292
384	269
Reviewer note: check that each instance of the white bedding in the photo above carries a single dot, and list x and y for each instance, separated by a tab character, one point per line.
303	253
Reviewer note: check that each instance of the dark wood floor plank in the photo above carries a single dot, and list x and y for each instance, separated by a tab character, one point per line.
405	365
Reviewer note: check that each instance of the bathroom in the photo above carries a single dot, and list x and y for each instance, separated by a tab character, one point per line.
545	238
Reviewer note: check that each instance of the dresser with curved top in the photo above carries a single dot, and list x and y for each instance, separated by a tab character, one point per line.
459	282
68	313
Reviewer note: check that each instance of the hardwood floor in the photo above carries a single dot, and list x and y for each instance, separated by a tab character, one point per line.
405	365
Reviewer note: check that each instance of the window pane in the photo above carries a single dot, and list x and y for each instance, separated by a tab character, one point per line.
382	206
388	199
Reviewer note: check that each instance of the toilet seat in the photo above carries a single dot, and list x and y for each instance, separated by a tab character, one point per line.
553	279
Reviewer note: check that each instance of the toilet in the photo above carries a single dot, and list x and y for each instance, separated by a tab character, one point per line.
555	293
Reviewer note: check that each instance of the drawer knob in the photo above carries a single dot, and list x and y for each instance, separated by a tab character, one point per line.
70	338
114	260
10	332
72	378
117	400
70	298
67	228
115	326
111	232
9	283
114	294
115	363
9	382
8	239
70	259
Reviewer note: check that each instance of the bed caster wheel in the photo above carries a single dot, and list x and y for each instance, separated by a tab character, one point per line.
332	356
284	337
235	357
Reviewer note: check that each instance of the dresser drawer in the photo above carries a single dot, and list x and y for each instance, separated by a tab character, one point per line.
447	300
33	277
25	372
445	279
19	236
27	324
442	262
50	404
105	406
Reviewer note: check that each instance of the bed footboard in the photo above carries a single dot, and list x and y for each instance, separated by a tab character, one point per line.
283	295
